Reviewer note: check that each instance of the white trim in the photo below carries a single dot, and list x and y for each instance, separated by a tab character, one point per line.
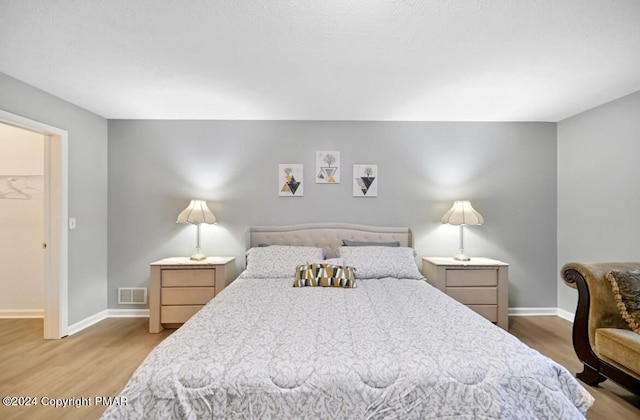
56	306
87	322
21	313
108	313
128	313
144	313
564	314
533	311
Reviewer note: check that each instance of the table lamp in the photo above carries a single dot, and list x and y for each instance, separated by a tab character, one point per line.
462	213
197	213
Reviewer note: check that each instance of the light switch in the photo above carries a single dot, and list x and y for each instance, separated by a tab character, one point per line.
72	223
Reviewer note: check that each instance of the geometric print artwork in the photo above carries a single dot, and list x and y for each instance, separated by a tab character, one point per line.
290	180
365	180
328	167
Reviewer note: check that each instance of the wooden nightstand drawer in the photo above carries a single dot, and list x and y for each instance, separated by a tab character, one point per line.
474	295
186	295
488	311
480	283
178	314
472	278
189	278
180	287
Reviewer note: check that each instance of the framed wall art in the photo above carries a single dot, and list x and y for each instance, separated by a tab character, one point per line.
290	182
365	180
328	167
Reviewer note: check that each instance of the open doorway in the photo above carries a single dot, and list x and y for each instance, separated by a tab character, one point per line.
55	193
21	223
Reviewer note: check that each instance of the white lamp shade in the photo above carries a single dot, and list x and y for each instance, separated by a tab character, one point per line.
197	212
462	213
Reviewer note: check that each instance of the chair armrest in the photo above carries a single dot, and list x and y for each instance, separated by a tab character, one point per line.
596	301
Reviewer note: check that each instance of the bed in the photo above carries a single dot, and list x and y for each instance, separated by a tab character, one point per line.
392	347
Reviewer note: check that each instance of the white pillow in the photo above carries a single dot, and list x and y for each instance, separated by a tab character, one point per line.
276	261
374	262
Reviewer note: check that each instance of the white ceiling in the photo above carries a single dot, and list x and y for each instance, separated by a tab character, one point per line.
393	60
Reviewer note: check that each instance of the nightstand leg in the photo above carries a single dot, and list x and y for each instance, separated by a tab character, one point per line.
503	298
154	301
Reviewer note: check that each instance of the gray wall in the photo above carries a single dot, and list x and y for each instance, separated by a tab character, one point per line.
87	188
598	187
508	170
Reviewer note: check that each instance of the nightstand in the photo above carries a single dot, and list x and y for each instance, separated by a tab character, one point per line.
480	283
180	287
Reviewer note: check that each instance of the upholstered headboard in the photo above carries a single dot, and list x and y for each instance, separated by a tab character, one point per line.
325	235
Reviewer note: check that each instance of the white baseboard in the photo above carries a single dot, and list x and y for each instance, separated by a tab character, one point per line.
109	313
533	311
569	316
144	313
128	313
542	312
87	322
21	313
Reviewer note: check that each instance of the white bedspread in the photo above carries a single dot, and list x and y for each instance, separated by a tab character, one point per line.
388	349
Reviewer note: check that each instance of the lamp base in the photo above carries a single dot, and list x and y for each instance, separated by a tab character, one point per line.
461	257
198	257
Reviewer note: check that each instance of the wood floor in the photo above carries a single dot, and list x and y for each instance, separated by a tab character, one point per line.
98	361
95	362
551	336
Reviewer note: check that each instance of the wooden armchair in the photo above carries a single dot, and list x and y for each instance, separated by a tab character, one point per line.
602	339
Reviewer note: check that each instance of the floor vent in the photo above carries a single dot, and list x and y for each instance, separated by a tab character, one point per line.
132	295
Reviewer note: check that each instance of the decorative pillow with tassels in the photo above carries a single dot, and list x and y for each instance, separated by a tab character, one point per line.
626	290
325	275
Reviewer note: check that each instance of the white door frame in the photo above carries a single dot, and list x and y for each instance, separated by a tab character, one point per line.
56	176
